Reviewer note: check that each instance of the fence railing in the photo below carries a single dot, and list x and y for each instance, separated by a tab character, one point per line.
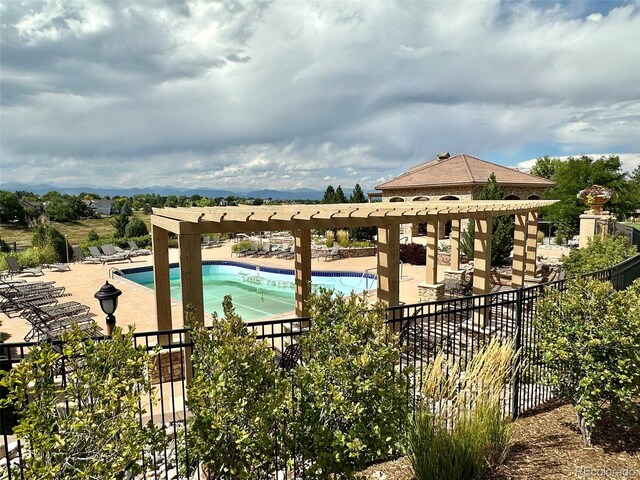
458	328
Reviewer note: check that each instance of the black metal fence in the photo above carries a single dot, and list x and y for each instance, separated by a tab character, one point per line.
457	327
633	234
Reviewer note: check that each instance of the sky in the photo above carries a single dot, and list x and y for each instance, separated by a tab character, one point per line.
296	94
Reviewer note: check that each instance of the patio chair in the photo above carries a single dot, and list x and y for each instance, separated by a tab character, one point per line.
287	252
59	267
15	269
331	254
248	253
79	256
51	315
290	358
46	326
263	252
42	289
108	258
135	250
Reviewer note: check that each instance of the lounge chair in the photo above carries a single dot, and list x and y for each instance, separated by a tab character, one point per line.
287	252
79	256
135	250
207	242
59	267
331	254
15	269
108	258
49	326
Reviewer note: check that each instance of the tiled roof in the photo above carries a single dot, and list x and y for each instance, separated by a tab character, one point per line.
461	170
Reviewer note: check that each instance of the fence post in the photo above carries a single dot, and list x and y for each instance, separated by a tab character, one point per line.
517	344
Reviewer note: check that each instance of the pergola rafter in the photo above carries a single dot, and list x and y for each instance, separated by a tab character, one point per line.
190	223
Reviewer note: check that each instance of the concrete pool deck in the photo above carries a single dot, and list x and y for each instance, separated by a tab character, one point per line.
136	305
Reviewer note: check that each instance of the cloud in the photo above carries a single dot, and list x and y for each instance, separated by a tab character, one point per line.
287	95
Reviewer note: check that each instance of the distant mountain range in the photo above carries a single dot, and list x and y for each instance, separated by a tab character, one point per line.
297	194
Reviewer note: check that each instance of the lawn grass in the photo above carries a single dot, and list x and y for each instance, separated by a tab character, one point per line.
635	225
76	231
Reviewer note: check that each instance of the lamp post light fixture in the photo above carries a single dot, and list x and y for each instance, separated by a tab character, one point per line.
108	298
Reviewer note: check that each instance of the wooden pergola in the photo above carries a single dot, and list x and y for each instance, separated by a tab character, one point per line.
190	223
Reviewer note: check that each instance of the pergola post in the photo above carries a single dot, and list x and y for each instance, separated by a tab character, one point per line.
519	250
389	265
455	244
430	290
160	246
482	268
302	270
432	252
191	276
532	243
482	256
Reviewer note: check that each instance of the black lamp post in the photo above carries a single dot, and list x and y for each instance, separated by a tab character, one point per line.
108	298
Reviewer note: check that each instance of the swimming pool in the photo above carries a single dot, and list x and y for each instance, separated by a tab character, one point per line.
257	292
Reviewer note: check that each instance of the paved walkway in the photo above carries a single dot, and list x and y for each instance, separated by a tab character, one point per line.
136	305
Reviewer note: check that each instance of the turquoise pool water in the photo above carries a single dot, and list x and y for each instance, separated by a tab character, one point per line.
257	292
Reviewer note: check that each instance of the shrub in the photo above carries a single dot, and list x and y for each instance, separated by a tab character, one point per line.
235	399
413	253
120	222
330	237
540	237
459	429
589	338
243	245
361	244
31	257
342	237
136	228
350	405
599	254
92	236
98	432
48	236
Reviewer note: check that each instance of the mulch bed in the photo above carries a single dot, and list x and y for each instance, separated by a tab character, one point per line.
547	445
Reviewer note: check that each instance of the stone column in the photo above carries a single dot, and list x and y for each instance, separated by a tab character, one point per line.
588	226
389	265
519	246
430	289
302	270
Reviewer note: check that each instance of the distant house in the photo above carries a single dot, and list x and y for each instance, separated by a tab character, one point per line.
223	203
103	207
34	208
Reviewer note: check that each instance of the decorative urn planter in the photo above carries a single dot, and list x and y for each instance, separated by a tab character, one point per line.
595	197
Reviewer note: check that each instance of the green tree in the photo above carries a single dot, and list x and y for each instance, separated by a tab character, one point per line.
10	208
339	196
358	196
575	174
88	426
46	236
545	167
59	208
360	233
126	210
329	195
502	227
589	338
136	228
120	222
